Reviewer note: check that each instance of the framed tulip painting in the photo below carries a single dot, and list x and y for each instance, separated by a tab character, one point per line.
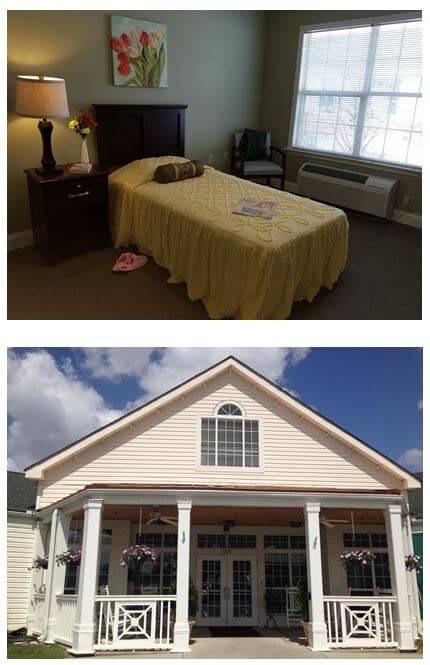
139	52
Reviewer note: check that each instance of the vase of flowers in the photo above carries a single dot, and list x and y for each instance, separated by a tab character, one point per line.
82	125
69	558
359	555
412	562
137	554
40	563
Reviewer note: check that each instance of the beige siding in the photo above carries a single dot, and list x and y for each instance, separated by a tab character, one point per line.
20	547
164	448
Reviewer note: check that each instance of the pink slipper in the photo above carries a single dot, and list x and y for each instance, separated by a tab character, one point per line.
129	261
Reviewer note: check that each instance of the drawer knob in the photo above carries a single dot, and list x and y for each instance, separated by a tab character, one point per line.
75	196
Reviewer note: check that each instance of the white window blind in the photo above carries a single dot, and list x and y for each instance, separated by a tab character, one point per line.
359	92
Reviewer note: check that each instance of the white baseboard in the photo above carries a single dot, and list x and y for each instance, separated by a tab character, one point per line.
18	240
399	215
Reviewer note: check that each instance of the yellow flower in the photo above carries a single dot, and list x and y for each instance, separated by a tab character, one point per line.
86	130
72	124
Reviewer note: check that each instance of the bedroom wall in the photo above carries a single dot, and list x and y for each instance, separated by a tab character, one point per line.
215	65
278	90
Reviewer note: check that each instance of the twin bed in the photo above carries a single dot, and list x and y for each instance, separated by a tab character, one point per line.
240	267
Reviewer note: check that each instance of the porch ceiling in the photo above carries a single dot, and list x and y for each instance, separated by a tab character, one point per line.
241	516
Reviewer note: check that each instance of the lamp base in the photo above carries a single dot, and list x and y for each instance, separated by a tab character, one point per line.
48	161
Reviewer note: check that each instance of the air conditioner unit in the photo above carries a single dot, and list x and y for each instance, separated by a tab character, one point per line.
374	195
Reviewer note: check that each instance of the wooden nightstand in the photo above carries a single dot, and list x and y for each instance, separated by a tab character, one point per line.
69	212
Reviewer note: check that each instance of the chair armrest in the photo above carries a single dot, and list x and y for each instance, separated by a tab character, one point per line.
281	151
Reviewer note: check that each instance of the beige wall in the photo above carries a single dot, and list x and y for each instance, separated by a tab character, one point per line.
278	90
215	61
165	448
20	548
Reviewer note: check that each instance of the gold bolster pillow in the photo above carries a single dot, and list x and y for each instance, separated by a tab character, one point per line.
181	171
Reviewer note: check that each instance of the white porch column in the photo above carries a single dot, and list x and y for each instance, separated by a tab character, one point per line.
58	573
181	633
83	629
38	577
402	617
317	625
411	578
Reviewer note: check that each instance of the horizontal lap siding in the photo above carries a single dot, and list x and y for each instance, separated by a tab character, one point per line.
164	448
20	547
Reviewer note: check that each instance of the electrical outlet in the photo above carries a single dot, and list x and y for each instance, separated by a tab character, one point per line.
210	158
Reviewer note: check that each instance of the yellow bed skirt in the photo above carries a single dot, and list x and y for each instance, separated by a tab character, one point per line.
240	267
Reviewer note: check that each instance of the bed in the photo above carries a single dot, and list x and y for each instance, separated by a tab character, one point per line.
240	267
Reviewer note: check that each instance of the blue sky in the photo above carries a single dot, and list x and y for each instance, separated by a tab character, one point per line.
57	395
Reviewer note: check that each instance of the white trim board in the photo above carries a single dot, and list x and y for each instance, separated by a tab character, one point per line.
399	215
20	239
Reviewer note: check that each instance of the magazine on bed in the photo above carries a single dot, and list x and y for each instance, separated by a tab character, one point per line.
253	207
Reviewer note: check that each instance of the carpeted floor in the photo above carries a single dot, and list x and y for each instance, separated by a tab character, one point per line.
382	280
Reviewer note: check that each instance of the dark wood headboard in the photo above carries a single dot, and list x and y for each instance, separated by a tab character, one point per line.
133	131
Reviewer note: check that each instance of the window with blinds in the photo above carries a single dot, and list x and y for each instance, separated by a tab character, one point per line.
359	92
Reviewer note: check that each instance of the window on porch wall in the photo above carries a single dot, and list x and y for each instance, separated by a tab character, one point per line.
71	579
283	569
367	580
157	577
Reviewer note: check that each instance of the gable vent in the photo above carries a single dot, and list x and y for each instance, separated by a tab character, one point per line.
336	173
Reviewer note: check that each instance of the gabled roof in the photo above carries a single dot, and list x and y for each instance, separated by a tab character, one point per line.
21	492
229	364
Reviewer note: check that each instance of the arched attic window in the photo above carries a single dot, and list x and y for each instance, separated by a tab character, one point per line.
229	409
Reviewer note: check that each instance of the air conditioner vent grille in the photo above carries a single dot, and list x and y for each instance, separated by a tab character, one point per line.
335	173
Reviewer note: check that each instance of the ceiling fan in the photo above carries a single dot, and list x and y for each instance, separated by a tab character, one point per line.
329	523
158	518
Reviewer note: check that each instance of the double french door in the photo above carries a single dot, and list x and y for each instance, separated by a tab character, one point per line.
227	590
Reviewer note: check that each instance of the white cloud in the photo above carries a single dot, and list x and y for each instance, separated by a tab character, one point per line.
412	459
49	407
175	365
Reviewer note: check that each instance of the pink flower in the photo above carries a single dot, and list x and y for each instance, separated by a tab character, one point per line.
125	40
116	45
124	69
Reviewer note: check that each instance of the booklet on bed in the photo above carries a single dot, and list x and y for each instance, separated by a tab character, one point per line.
253	207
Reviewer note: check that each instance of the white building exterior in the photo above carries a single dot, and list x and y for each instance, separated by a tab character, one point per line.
266	493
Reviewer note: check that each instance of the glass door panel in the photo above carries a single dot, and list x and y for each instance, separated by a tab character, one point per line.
211	584
242	590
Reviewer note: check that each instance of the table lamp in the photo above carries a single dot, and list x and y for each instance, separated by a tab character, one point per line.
42	97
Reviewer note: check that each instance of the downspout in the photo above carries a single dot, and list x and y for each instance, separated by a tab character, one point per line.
51	555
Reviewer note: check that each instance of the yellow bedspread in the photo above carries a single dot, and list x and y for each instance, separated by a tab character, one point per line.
241	267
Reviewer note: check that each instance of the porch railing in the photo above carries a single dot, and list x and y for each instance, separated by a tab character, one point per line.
66	609
134	622
360	621
38	612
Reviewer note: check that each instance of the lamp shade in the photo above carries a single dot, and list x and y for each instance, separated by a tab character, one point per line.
41	97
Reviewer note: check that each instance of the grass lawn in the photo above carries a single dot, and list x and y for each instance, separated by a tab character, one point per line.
34	650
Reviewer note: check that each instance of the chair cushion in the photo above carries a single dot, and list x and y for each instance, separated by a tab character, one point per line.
261	167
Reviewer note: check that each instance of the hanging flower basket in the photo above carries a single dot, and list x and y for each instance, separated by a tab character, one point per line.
412	562
40	563
137	553
362	556
69	558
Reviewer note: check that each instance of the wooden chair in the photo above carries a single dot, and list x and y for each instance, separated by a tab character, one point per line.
261	168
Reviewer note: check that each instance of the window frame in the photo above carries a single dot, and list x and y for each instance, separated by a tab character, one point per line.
228	469
332	156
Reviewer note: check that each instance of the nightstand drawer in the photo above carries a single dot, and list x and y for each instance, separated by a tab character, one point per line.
77	193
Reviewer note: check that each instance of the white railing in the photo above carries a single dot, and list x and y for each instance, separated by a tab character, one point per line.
38	612
134	622
66	609
360	621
